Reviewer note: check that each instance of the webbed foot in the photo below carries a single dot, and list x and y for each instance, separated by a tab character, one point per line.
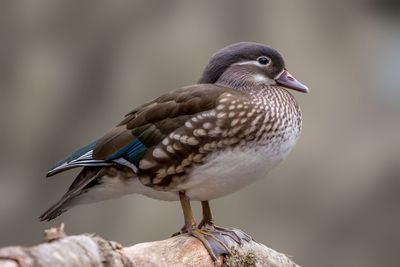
213	241
236	235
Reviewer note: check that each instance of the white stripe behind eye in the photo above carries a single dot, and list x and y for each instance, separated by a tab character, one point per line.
253	62
259	77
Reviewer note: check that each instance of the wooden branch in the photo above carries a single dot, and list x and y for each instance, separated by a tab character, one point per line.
92	250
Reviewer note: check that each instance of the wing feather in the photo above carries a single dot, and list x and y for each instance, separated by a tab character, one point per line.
144	128
153	121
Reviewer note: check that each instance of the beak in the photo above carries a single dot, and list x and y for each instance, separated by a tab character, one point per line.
288	81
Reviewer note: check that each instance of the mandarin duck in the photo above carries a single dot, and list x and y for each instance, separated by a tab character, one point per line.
198	142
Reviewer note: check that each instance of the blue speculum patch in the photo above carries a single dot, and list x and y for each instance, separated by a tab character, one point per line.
132	152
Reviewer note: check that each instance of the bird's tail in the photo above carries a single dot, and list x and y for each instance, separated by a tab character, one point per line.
87	175
55	210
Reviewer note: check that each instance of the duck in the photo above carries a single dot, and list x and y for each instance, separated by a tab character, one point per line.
196	143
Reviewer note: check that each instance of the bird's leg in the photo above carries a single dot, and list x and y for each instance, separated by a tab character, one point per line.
190	223
214	242
187	213
208	220
207	223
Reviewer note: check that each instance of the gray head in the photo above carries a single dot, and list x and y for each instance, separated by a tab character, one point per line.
248	64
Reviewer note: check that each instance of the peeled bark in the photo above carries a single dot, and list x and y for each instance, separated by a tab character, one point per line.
92	250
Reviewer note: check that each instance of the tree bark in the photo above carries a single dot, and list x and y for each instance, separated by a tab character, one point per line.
92	250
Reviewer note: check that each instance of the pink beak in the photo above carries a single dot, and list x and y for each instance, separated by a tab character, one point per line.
288	81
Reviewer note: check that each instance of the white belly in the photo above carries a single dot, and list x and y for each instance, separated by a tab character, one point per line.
228	172
221	174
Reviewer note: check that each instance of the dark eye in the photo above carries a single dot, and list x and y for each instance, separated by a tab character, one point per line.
263	60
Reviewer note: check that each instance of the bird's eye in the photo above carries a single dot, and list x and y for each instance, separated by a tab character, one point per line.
263	60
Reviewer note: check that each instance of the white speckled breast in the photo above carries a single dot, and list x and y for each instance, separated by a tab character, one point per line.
231	170
228	170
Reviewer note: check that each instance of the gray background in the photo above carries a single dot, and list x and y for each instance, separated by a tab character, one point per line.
70	70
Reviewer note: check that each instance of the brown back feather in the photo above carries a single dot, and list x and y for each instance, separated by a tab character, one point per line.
153	121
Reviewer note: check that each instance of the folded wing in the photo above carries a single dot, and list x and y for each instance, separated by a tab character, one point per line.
144	128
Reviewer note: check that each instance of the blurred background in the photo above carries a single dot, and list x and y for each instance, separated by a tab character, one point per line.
69	71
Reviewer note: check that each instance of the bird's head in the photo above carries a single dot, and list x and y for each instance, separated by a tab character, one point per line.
246	63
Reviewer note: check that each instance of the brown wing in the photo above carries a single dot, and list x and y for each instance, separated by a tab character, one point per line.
232	119
152	122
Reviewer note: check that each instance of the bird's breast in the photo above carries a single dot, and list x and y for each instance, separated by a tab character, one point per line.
242	142
271	135
232	169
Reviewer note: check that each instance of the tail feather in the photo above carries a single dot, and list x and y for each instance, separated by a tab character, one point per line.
82	157
71	165
87	175
55	210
